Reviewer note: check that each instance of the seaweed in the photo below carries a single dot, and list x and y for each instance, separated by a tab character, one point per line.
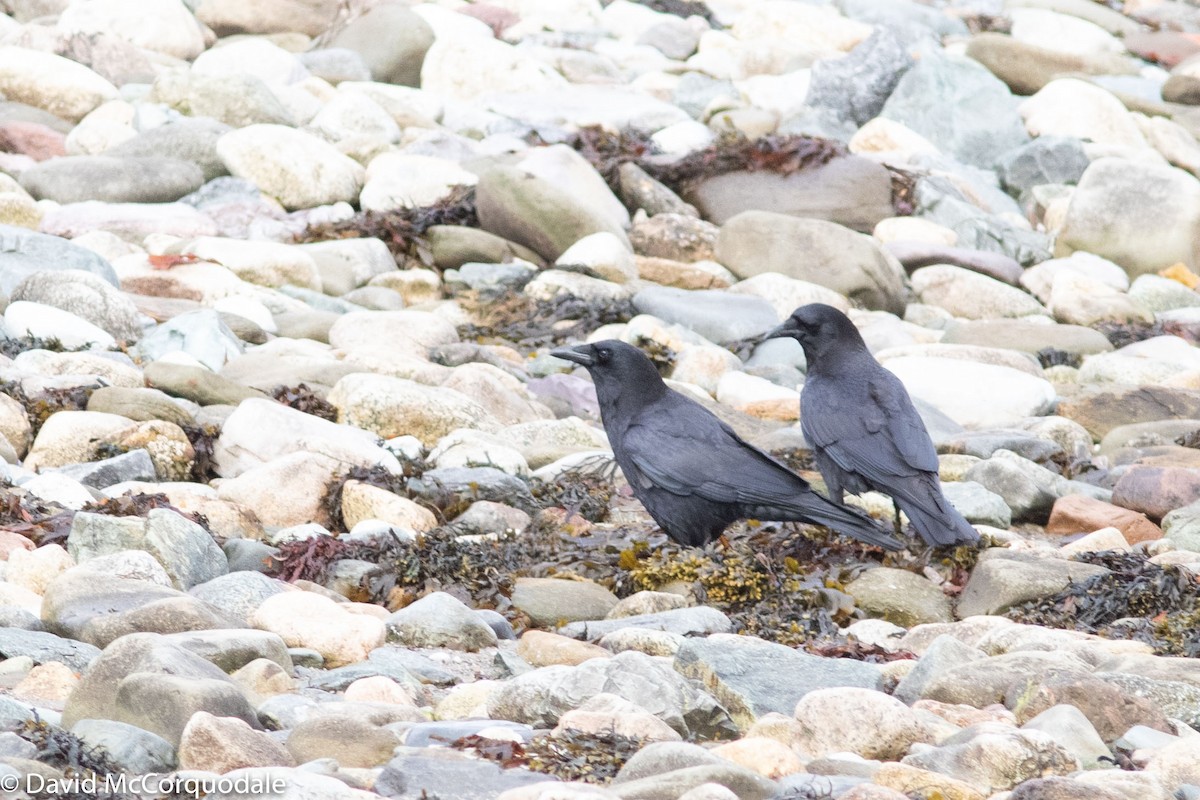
40	407
516	320
78	761
586	490
41	523
682	8
402	229
203	439
570	755
1191	440
1137	599
1120	334
302	398
13	346
1053	357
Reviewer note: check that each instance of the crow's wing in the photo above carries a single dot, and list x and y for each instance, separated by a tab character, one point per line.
870	428
684	449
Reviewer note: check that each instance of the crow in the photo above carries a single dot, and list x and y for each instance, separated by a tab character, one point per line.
863	428
688	468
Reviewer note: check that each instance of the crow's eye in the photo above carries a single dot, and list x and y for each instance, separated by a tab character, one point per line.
604	355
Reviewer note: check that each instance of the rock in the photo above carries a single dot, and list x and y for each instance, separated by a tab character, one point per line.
1061	789
969	295
988	125
751	677
740	316
1101	409
199	334
391	407
534	212
856	86
542	696
147	179
399	180
603	254
1073	514
391	59
1027	67
359	259
140	405
439	620
220	745
354	743
185	549
1069	727
542	649
418	772
999	760
297	169
190	139
84	294
754	242
639	190
43	648
144	680
1156	491
1113	214
889	727
310	17
53	83
362	501
943	653
551	602
23	253
679	621
198	384
236	100
556	285
306	619
453	246
899	596
998	583
973	394
130	747
1072	107
22	318
606	712
849	190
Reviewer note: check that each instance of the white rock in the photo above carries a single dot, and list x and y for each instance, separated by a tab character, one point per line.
704	366
262	263
1095	542
410	332
913	229
683	137
974	395
399	180
362	501
357	122
464	69
248	308
604	254
296	168
35	569
1039	279
23	318
1071	107
307	619
1160	360
105	126
1061	33
161	26
565	168
552	283
56	488
390	407
970	295
758	396
888	726
406	105
787	294
883	135
268	62
259	431
52	83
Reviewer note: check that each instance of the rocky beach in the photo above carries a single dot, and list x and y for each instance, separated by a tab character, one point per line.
295	504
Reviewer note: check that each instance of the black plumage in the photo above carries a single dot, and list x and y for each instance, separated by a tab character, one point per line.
688	468
863	428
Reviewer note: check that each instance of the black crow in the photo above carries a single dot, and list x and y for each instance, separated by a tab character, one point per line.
688	468
863	428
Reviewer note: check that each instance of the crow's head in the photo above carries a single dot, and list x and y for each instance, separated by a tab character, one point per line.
821	330
615	367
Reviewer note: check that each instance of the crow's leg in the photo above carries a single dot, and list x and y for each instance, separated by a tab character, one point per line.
898	524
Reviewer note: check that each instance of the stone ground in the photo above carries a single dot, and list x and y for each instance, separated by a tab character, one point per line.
294	494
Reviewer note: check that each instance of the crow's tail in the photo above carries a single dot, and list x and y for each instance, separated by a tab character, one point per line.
813	508
931	514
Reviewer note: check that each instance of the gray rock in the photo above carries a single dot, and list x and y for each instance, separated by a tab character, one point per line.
978	505
437	733
550	602
911	21
146	680
198	384
415	774
450	484
249	555
982	444
185	550
24	252
751	677
14	713
900	596
489	278
745	784
541	696
701	620
996	758
237	100
718	316
13	746
336	680
496	621
424	669
391	40
138	404
191	139
351	742
1176	699
1069	727
986	124
856	85
201	334
639	190
940	201
13	617
696	90
439	620
808	249
80	598
133	749
166	616
848	190
134	465
238	594
85	295
536	213
998	583
43	647
1047	159
455	245
1029	498
233	649
1029	337
147	179
943	653
335	64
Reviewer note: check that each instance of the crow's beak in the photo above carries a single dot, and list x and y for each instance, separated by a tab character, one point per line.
580	355
786	329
